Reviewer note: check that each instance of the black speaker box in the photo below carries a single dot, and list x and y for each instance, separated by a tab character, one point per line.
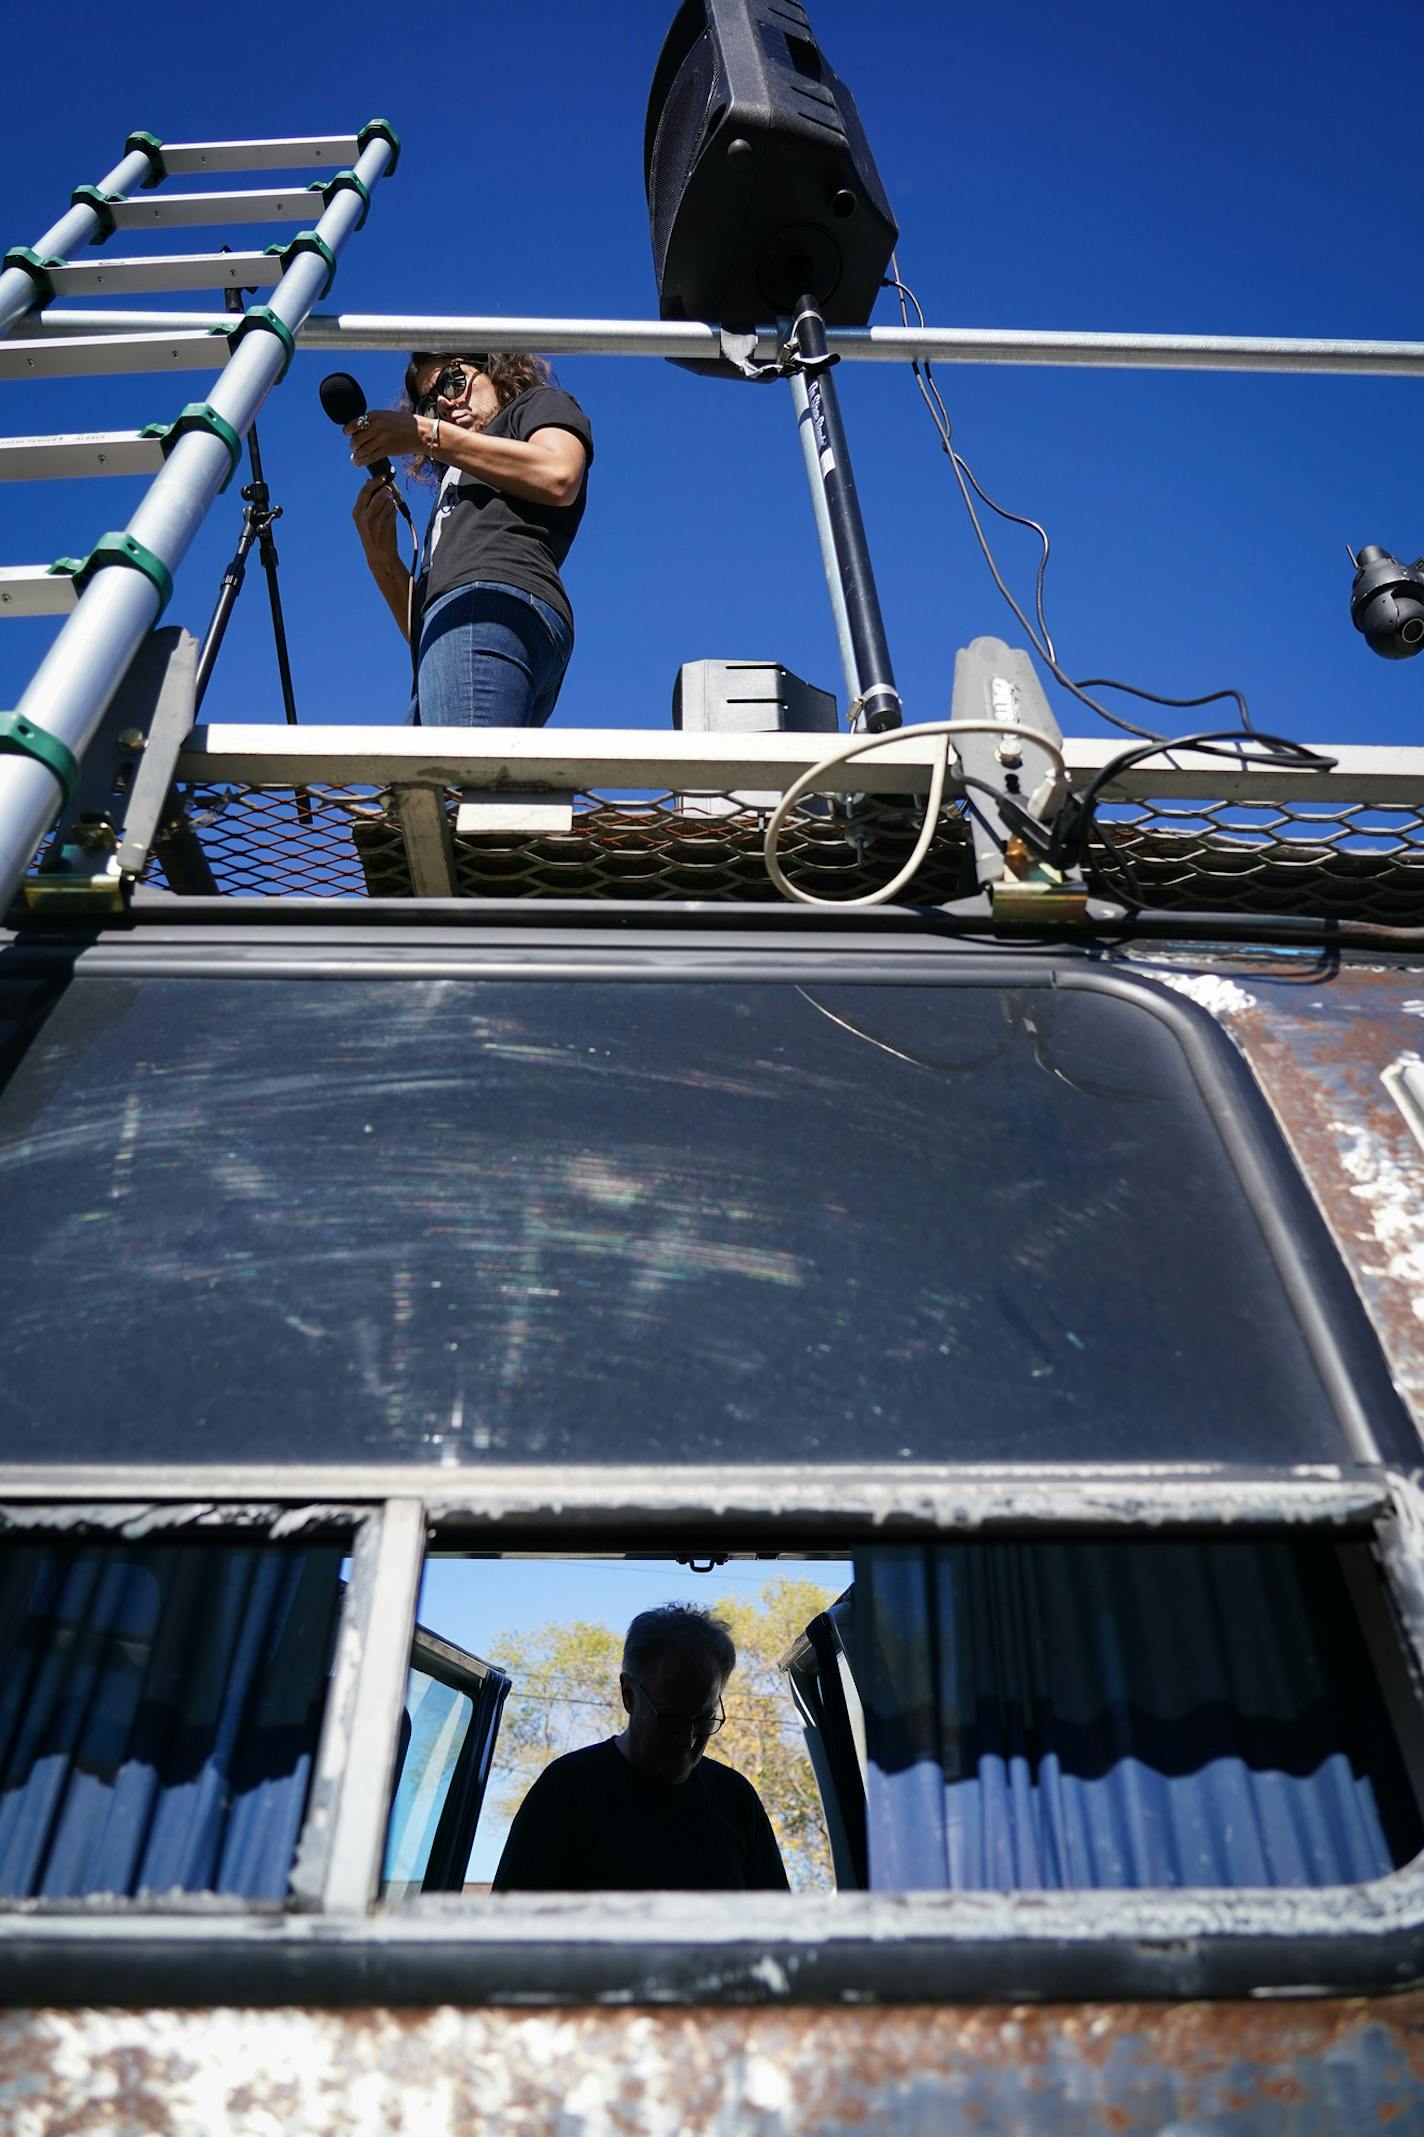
761	185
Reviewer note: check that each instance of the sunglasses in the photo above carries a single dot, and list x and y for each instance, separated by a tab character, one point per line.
450	385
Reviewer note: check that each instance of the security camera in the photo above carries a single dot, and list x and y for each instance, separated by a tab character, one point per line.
1387	603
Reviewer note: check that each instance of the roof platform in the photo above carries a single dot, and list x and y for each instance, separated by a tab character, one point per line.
365	812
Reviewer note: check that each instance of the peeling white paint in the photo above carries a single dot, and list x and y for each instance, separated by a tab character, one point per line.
1391	1196
1209	991
447	2073
766	2085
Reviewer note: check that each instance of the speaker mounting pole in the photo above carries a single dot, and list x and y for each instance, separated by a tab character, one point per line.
865	655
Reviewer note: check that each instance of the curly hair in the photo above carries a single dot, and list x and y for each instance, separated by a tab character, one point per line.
510	371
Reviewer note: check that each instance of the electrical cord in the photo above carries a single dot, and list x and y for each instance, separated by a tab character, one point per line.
1068	843
1049	794
1041	638
1064	840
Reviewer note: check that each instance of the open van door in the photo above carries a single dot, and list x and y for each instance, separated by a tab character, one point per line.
834	1723
453	1706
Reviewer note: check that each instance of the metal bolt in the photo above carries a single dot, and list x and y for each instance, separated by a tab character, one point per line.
1010	750
133	739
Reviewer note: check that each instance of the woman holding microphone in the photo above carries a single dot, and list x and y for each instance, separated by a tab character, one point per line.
485	610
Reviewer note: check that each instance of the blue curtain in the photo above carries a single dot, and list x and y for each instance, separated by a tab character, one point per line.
1062	1716
159	1710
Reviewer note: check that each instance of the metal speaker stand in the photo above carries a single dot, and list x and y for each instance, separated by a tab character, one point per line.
845	553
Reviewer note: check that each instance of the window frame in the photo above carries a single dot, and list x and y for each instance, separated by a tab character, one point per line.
334	1943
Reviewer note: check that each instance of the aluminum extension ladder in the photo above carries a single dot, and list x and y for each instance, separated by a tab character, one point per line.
90	748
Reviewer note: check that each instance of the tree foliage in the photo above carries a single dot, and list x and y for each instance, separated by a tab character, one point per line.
565	1693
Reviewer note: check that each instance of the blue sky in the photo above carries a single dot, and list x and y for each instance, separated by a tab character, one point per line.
1224	168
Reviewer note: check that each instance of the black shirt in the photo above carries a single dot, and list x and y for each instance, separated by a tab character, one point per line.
477	532
593	1823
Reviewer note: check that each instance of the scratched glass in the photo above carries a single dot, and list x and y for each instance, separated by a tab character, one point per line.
463	1222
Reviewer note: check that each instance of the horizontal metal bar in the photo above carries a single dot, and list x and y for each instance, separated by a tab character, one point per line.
651	1953
100	276
573	760
833	1499
534	760
94	452
189	159
450	335
1360	774
262	204
34	590
74	322
102	355
882	344
1129	351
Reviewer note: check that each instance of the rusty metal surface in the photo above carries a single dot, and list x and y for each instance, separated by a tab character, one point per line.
1290	2069
1319	1032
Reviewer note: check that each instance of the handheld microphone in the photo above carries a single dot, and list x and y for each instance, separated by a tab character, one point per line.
343	400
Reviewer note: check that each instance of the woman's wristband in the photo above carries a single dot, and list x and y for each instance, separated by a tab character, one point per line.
432	445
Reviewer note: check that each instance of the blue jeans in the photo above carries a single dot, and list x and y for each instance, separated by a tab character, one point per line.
490	656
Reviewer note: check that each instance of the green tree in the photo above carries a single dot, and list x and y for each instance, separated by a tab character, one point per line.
565	1693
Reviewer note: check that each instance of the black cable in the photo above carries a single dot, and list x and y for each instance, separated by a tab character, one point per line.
1079	823
1041	639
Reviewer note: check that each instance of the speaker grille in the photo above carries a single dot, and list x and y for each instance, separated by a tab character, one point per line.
681	131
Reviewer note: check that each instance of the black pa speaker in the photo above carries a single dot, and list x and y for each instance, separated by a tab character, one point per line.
761	186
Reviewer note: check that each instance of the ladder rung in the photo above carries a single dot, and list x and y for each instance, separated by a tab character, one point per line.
35	590
186	159
99	277
261	204
100	355
93	452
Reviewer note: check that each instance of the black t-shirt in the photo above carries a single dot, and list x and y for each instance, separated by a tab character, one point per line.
476	532
593	1823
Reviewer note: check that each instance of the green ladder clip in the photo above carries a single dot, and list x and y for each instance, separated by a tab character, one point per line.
380	130
20	737
343	182
152	147
262	318
36	266
103	205
198	415
118	549
306	241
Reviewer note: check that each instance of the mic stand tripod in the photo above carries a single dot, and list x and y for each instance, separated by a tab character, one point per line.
258	517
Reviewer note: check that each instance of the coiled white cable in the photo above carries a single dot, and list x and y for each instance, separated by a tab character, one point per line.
1050	790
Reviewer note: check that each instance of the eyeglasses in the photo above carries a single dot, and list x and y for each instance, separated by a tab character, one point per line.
448	387
683	1724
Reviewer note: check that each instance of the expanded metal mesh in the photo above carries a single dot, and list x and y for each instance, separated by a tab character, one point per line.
1352	860
1340	861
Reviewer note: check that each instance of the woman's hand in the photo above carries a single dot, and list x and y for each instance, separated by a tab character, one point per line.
375	517
383	434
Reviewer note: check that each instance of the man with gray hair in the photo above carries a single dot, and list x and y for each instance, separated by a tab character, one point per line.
645	1811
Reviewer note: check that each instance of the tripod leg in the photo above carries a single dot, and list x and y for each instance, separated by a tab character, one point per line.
227	595
267	550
